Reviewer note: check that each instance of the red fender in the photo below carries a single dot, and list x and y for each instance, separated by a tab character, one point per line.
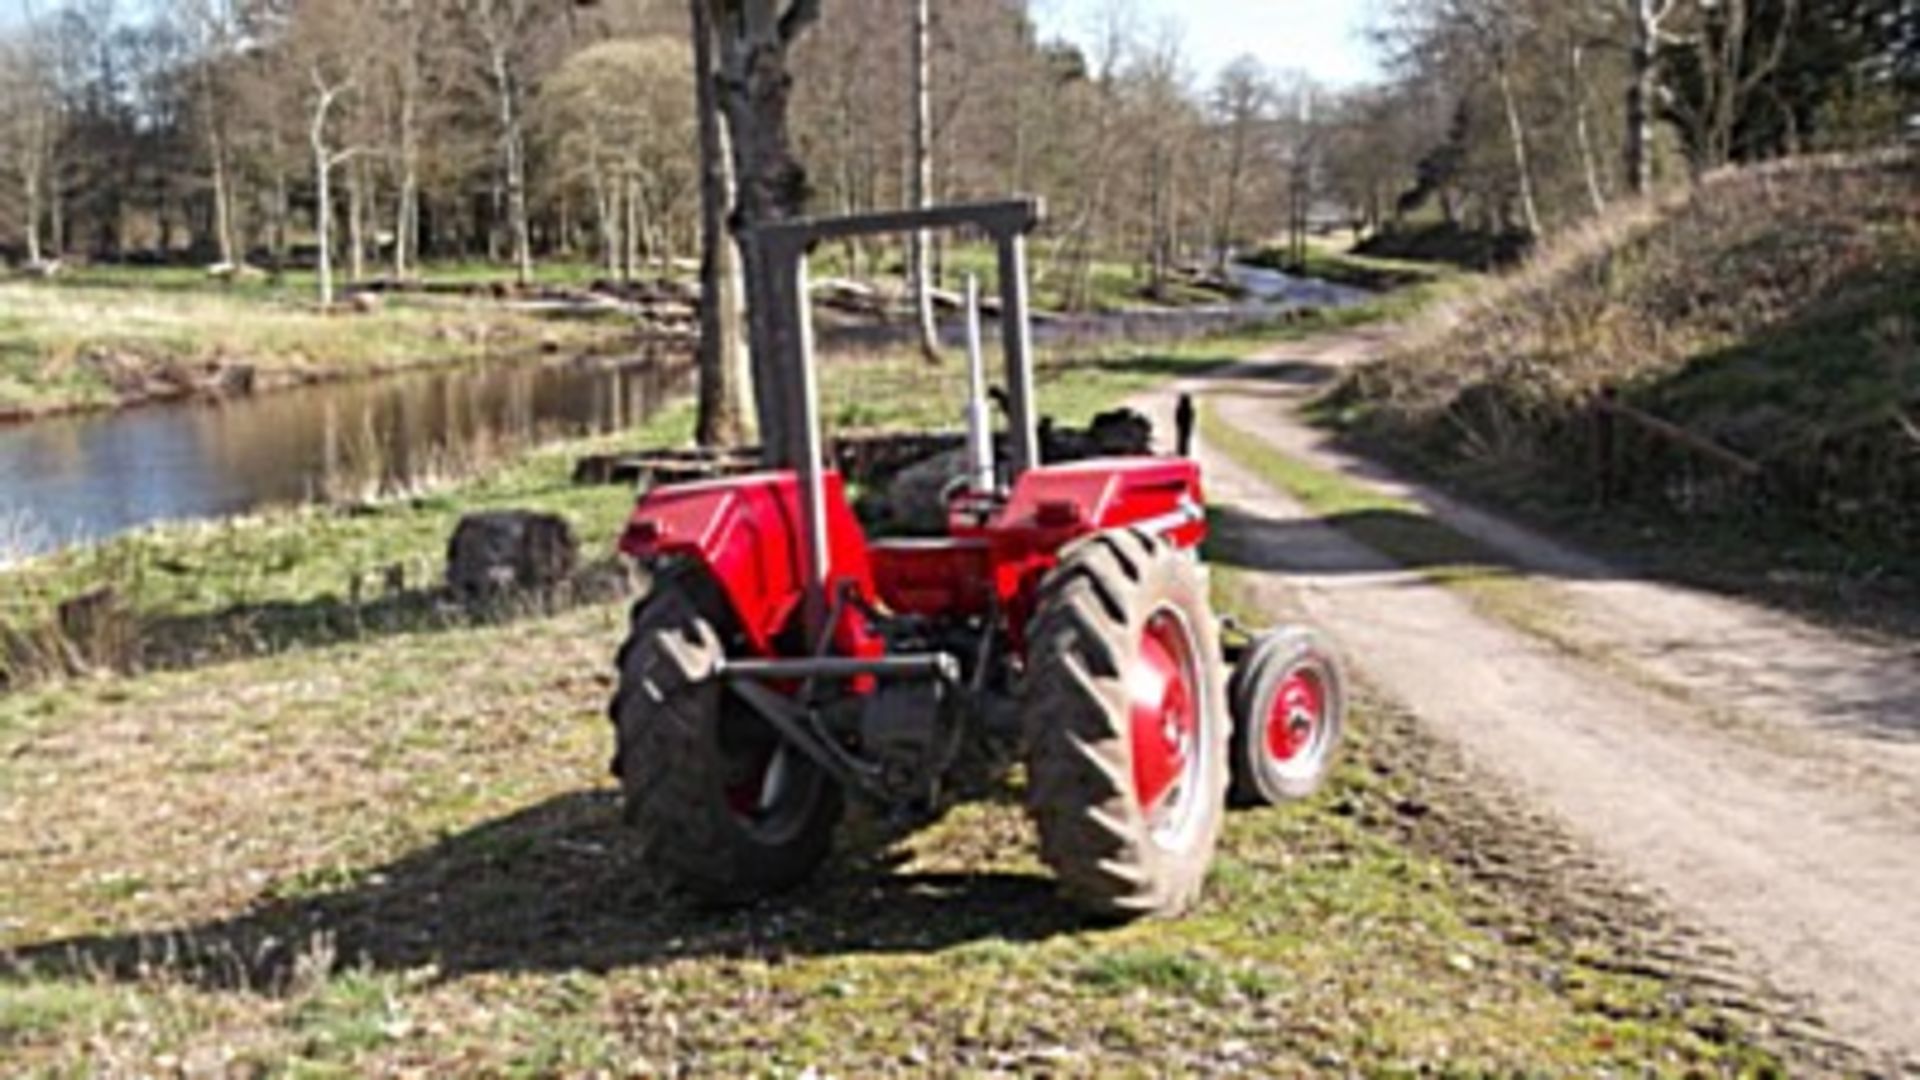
746	530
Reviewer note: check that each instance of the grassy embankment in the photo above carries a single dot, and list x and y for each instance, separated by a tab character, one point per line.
1773	312
397	848
101	336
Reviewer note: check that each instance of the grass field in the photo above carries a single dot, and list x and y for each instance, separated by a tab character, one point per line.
384	841
403	854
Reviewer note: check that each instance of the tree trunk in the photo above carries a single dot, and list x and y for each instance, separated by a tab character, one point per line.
919	244
281	208
604	207
1577	77
1643	57
771	184
33	169
356	216
406	225
56	211
724	373
513	163
217	158
1522	163
322	204
629	226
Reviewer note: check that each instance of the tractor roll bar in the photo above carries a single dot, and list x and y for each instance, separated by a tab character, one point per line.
782	249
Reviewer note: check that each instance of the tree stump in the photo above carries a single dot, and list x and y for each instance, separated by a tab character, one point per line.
510	550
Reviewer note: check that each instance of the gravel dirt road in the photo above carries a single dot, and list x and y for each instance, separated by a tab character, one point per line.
1759	773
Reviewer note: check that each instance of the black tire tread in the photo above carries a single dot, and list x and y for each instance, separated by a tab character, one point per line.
665	716
1080	786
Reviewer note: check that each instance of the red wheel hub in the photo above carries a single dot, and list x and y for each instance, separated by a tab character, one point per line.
1294	720
1164	711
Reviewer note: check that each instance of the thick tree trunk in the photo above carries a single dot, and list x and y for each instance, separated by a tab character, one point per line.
919	244
603	209
726	378
629	226
771	184
33	169
217	159
513	162
56	209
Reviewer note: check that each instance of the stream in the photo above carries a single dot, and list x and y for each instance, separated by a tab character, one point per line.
89	476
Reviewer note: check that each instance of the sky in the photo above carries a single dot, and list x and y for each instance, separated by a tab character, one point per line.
1320	37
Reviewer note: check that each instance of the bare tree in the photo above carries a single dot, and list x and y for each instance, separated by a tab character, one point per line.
504	28
409	22
920	244
1731	71
27	126
1649	20
215	31
328	49
1582	129
1243	100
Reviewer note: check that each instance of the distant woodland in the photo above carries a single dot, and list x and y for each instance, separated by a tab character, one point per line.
396	131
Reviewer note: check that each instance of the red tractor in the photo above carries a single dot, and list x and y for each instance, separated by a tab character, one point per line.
782	660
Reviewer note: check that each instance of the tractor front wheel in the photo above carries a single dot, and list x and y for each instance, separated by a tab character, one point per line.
1289	698
725	808
1126	725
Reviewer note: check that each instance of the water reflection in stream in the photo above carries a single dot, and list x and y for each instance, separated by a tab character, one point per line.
69	479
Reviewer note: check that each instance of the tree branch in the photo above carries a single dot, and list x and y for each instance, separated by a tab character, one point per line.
797	18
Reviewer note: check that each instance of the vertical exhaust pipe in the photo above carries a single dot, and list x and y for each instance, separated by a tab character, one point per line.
980	466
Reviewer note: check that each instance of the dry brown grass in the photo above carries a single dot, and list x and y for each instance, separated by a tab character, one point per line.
1761	309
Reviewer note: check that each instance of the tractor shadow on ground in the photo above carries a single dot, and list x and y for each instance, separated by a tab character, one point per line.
556	887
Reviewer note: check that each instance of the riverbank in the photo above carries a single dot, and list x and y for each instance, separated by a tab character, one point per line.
110	343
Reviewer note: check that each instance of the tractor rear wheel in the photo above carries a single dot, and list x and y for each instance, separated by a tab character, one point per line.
725	808
1126	725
